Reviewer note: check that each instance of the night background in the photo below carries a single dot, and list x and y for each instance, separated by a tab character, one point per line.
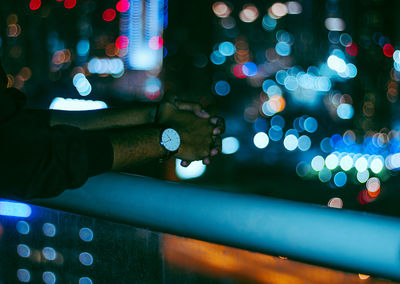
308	89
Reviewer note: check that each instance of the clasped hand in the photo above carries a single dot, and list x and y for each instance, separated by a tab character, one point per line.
200	132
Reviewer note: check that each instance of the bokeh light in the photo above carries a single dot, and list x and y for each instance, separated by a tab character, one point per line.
317	163
222	88
109	15
122	6
291	142
230	145
340	179
261	140
194	170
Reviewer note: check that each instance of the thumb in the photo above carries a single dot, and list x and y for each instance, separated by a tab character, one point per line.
193	107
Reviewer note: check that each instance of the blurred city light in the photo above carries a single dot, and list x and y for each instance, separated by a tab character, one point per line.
194	170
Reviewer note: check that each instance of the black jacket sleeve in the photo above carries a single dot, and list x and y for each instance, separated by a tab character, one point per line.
37	160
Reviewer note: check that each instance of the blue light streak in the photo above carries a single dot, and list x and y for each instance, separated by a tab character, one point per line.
15	209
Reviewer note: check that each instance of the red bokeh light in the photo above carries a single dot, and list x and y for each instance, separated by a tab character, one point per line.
388	50
123	6
69	4
156	42
238	71
152	95
352	49
109	15
35	4
122	42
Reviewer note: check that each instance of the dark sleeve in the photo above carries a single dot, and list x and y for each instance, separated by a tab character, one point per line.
42	161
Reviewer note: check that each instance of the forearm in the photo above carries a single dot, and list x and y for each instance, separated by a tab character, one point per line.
135	146
139	114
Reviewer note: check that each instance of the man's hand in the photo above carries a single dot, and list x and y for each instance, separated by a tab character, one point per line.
200	133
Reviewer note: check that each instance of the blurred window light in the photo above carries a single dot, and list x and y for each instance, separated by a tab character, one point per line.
337	64
217	58
76	104
226	48
35	4
388	50
274	90
222	88
310	124
346	163
331	161
15	209
105	66
292	132
49	277
351	70
304	143
86	234
280	76
333	37
23	250
325	175
230	145
335	202
324	84
23	227
23	275
152	88
249	13
345	39
69	4
49	230
268	83
335	24
275	133
83	47
303	169
278	10
86	258
122	6
143	21
250	69
291	142
109	15
377	165
317	163
81	84
363	176
345	111
373	186
340	179
294	7
49	253
278	120
396	56
221	9
325	145
291	83
260	125
283	48
85	280
156	42
361	164
268	23
352	49
194	170
261	140
228	23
